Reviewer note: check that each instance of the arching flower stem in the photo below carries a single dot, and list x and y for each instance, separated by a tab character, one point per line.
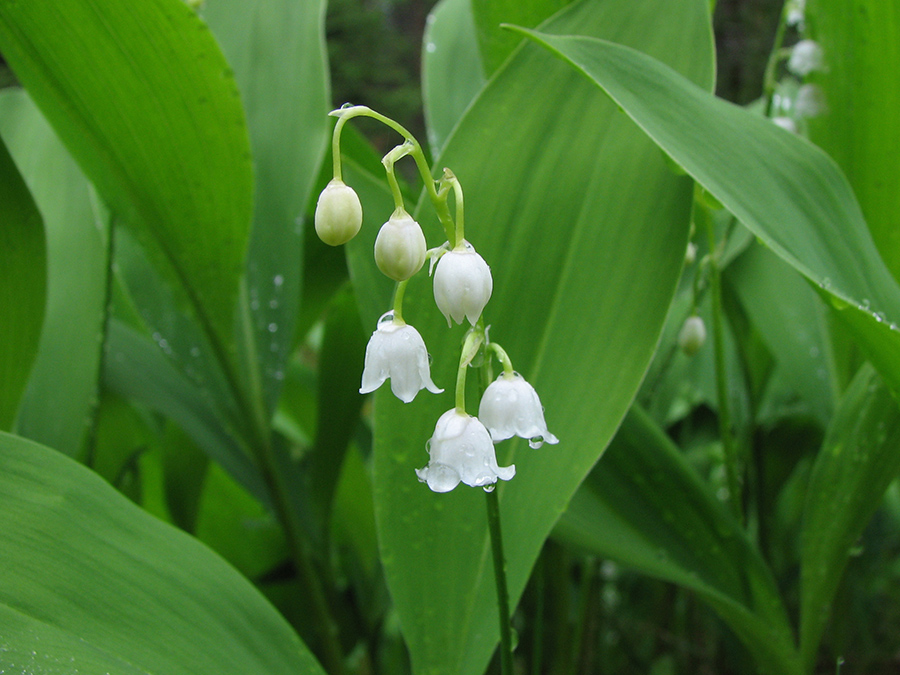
399	292
438	201
471	345
388	161
502	356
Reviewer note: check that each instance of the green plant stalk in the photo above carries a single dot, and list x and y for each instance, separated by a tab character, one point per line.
260	442
725	424
439	201
776	55
493	514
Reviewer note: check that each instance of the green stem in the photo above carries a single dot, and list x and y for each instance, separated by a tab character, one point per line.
399	292
460	233
473	341
259	438
776	55
503	357
388	162
493	514
439	202
725	424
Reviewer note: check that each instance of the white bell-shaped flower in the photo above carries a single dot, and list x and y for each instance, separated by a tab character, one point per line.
461	451
511	407
400	246
397	351
338	213
806	57
462	284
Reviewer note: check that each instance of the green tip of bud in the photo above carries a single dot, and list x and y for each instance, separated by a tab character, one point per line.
338	213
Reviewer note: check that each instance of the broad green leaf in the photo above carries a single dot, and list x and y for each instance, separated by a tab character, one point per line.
62	390
90	583
451	68
565	200
791	320
158	128
23	286
340	371
860	457
861	41
496	44
644	506
276	48
138	370
785	190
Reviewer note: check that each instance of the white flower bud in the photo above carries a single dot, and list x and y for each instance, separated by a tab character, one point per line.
338	213
511	407
692	335
462	284
690	254
400	247
461	451
806	56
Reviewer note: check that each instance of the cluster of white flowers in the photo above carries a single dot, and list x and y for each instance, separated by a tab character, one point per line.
794	101
461	450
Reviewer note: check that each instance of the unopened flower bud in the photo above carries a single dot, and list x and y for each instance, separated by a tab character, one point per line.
690	254
462	284
400	247
692	335
338	213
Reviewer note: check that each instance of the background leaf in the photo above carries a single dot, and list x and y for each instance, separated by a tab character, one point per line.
159	129
785	190
644	506
586	194
861	41
497	44
277	51
451	68
23	283
859	459
92	583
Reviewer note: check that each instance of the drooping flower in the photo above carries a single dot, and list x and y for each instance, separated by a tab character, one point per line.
397	351
400	246
692	335
806	57
462	284
511	407
461	451
810	101
338	213
785	123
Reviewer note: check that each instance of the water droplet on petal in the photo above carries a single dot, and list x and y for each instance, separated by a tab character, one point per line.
535	442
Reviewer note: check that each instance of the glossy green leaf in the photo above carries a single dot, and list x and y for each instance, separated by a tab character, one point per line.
276	48
860	457
62	390
785	190
496	44
23	285
90	583
564	199
159	129
138	370
791	321
451	68
861	41
644	506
